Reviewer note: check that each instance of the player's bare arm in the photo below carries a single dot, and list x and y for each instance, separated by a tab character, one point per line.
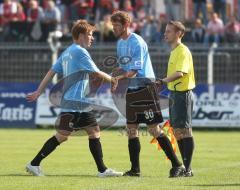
129	74
123	75
108	78
34	95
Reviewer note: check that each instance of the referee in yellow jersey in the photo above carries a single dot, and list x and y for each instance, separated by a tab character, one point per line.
180	81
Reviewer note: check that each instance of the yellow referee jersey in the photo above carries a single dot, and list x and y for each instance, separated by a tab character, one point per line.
181	60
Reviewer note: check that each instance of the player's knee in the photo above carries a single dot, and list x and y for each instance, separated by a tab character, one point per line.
181	133
155	130
132	132
94	135
93	132
61	138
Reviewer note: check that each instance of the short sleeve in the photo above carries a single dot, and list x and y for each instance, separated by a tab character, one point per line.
137	58
86	62
57	67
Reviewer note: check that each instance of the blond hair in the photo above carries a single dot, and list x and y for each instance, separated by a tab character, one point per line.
178	26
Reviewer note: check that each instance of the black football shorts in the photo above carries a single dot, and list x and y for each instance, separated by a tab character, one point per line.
143	105
68	122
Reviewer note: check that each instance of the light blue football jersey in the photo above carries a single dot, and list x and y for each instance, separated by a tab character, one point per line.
75	60
133	55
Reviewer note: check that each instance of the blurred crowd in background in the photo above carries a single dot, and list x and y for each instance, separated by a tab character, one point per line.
207	21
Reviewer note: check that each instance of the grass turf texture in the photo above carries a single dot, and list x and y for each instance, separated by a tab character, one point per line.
216	162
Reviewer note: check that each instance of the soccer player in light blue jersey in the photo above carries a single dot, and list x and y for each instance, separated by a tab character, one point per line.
142	100
75	60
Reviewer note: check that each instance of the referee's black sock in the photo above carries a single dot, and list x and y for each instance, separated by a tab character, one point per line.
47	148
134	148
96	150
168	149
186	147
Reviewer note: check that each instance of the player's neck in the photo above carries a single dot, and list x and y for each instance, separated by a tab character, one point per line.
126	34
175	44
79	42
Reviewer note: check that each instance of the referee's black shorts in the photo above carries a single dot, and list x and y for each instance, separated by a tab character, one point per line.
143	106
181	109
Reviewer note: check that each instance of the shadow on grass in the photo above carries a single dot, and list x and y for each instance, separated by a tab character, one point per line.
50	175
15	175
215	185
72	175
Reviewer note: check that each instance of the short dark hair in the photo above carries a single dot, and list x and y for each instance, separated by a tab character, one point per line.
121	16
81	27
178	26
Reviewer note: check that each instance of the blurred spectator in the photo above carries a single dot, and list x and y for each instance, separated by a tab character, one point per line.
141	14
199	6
8	11
64	7
162	23
127	7
136	26
80	9
137	5
214	31
147	5
95	11
238	9
106	30
34	15
149	18
103	7
24	4
198	31
20	15
232	30
173	9
219	6
51	19
17	26
154	7
149	30
34	11
133	5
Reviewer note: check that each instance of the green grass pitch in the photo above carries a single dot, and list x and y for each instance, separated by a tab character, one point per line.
216	162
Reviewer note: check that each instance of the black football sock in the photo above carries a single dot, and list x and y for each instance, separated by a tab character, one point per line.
181	148
134	148
186	148
96	150
168	149
47	148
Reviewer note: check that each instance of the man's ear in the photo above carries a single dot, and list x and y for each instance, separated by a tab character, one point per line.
179	33
80	36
